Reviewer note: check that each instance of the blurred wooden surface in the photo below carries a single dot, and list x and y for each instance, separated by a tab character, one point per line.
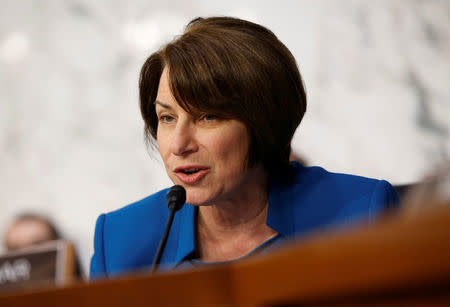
402	260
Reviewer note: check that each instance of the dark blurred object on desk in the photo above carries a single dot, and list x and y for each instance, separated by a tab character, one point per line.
433	191
404	189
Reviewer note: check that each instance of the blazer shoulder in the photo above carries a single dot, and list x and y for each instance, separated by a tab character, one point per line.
150	204
314	174
126	239
97	265
342	194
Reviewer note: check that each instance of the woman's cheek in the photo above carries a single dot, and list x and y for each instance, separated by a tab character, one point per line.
162	142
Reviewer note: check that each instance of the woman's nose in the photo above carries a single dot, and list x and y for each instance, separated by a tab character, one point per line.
183	141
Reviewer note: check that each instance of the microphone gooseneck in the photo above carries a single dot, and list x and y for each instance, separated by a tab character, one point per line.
175	201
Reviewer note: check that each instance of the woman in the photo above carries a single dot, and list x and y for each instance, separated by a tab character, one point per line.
223	102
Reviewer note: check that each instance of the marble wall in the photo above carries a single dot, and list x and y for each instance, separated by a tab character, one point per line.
71	143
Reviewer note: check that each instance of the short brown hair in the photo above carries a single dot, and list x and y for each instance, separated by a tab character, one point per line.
235	69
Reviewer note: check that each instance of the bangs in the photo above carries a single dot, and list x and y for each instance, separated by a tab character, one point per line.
201	79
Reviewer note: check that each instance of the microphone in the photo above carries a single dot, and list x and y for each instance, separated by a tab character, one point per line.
176	197
175	201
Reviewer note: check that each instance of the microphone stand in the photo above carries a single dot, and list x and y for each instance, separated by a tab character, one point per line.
163	241
175	200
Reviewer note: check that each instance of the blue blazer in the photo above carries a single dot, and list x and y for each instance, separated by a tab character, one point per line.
126	240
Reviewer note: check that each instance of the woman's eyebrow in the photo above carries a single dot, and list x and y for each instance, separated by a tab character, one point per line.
163	104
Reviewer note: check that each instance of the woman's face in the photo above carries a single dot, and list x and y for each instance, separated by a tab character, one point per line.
205	154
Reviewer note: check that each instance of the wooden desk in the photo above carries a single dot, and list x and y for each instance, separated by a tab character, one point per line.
402	260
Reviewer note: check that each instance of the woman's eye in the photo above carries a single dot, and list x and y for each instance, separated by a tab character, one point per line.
166	119
210	117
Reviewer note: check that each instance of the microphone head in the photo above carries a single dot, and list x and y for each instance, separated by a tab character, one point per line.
176	197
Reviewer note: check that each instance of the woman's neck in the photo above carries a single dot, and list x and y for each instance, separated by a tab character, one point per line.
233	228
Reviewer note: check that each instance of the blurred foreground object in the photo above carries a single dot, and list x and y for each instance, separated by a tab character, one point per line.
50	263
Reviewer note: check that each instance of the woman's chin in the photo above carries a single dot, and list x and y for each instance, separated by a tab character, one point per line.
197	200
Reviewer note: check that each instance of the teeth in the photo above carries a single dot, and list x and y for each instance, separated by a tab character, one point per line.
190	170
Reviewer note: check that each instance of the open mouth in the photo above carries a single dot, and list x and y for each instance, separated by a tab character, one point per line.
190	171
191	174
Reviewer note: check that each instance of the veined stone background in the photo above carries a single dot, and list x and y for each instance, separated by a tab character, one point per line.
377	75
